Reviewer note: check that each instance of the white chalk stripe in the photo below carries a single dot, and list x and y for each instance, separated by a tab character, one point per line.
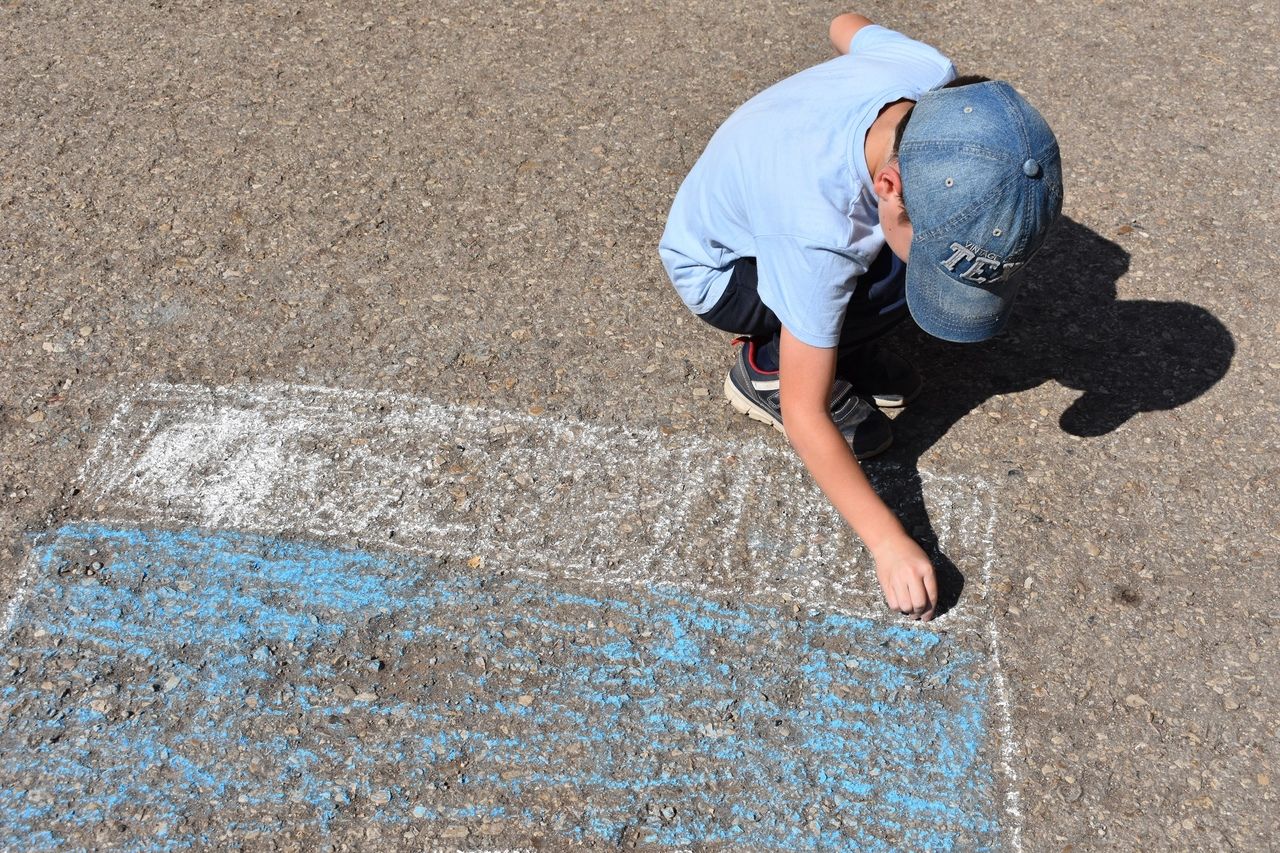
740	519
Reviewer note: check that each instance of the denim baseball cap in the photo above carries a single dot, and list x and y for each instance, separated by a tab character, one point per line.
982	183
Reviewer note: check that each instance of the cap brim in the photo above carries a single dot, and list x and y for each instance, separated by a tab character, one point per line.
955	311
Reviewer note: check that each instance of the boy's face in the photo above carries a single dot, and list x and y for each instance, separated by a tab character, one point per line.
897	229
893	221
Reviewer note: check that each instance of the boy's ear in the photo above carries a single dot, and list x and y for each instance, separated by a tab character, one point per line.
888	181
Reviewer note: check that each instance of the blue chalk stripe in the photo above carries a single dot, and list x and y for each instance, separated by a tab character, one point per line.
700	722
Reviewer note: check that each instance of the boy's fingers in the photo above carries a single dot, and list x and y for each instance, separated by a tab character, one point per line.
919	598
931	588
905	607
922	602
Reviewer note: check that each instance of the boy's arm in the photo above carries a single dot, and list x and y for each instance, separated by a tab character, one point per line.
805	377
843	27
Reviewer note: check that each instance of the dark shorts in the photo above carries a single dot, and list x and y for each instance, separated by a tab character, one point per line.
879	303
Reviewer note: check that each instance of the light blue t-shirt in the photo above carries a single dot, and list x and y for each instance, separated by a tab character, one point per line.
784	180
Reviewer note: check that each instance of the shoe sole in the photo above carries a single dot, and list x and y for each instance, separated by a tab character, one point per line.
896	401
743	405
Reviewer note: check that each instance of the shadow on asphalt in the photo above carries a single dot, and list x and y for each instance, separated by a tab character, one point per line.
1124	356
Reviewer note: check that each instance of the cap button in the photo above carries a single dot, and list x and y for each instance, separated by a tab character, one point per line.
1031	168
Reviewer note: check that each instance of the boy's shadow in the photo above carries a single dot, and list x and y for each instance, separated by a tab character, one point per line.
1125	356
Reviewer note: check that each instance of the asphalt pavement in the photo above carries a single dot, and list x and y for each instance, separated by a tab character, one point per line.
249	221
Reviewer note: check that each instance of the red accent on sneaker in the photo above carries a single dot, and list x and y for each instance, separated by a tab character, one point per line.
751	356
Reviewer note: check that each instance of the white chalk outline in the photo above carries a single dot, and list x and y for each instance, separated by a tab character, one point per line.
97	476
117	480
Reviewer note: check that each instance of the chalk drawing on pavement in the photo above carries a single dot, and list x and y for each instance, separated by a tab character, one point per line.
260	548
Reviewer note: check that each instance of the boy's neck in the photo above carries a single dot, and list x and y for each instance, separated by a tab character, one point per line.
878	147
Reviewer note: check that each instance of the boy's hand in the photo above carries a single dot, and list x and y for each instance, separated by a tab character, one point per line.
805	374
843	29
906	577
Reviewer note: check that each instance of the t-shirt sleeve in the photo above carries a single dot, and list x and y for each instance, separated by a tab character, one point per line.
808	286
875	41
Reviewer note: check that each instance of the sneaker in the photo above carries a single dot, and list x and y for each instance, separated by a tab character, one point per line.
754	393
883	376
